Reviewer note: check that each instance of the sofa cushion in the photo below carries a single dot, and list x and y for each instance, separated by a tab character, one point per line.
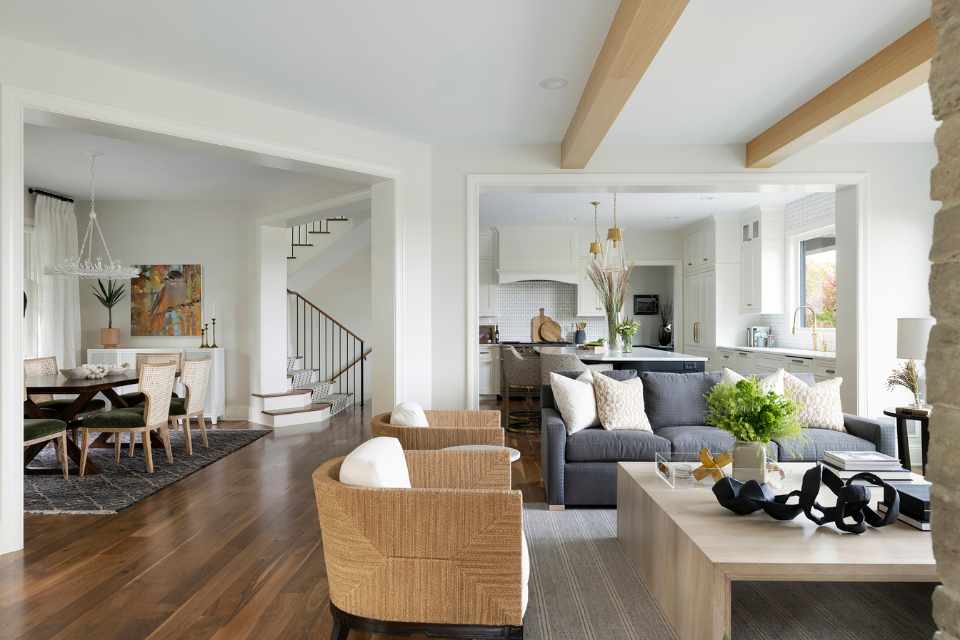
408	414
575	401
378	462
811	444
621	445
686	441
620	404
547	400
675	399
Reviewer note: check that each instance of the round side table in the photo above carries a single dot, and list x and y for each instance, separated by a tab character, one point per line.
903	447
514	454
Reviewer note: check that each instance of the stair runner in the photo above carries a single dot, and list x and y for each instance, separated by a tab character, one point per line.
321	390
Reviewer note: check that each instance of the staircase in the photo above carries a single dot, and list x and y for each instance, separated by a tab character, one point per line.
326	369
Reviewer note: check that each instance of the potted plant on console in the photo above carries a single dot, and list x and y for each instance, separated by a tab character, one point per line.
754	418
109	296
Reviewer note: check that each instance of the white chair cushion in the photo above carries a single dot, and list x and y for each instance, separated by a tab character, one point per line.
620	404
575	401
408	414
524	574
818	406
378	462
773	382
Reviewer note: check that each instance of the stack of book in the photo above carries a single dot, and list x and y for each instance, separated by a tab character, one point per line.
847	464
914	505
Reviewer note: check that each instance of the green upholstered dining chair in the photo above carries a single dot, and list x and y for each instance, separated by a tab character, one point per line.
41	430
50	406
135	398
195	376
156	384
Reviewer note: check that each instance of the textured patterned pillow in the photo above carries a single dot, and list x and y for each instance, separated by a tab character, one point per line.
620	404
575	401
818	405
773	382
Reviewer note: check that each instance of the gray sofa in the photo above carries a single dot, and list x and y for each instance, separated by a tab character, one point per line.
580	469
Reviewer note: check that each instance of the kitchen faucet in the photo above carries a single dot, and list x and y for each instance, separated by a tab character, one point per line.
813	330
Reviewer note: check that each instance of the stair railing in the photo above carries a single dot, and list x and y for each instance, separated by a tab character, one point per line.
327	346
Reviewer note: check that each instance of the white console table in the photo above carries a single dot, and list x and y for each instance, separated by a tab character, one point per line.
216	392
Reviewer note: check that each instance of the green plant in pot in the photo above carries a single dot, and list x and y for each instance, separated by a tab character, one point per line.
611	286
754	418
627	330
109	296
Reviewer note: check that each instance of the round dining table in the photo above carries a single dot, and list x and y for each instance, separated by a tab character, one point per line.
85	389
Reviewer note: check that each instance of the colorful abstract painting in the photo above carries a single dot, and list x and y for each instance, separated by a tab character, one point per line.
166	300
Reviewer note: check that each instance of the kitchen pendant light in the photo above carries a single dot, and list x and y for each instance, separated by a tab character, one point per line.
90	267
596	249
614	254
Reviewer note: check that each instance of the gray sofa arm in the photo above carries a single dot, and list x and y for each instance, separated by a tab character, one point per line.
881	434
553	454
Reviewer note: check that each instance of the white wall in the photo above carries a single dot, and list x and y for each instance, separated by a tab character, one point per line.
82	87
900	217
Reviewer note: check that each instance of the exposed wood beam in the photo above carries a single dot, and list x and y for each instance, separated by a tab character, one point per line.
636	34
895	70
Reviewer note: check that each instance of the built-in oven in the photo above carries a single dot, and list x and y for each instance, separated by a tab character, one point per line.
646	304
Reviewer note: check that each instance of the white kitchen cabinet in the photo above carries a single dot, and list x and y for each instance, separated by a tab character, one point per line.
487	291
699	249
537	253
824	369
761	261
215	406
588	300
699	311
489	370
747	362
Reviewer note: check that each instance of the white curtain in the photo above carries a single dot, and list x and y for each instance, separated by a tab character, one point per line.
56	304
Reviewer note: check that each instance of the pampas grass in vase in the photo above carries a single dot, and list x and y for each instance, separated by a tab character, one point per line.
611	286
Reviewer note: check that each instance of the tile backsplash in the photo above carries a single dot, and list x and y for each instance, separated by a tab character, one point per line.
519	302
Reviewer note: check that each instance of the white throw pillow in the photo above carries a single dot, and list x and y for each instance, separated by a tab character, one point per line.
575	401
409	414
524	574
620	404
773	382
378	462
818	406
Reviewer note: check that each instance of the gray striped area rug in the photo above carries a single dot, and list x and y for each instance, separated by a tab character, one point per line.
583	587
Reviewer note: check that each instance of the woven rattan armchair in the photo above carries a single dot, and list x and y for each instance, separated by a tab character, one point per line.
522	379
442	558
447	429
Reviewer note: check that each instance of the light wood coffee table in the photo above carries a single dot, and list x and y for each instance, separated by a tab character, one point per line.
689	549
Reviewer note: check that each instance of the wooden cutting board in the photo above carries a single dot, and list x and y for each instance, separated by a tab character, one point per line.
545	329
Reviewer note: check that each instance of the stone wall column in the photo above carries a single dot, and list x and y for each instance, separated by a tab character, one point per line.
943	356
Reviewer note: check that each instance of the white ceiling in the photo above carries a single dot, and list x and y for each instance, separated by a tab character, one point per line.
644	211
58	160
466	71
909	118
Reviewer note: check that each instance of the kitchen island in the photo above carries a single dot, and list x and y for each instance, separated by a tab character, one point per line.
641	359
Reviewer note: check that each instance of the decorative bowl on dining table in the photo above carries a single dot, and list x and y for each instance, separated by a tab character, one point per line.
85	372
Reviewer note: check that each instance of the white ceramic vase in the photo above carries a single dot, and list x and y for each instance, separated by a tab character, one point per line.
750	461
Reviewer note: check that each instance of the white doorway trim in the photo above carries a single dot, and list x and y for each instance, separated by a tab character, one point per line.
15	102
478	183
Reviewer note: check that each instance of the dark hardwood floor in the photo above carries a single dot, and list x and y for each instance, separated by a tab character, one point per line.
231	552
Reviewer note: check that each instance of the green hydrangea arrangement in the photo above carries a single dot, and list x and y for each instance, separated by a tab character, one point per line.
749	414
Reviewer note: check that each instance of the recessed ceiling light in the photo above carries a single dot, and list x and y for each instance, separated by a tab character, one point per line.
552	84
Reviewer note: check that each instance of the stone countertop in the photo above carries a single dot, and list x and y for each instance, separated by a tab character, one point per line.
639	354
786	351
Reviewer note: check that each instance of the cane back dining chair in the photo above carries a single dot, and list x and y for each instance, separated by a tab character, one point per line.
39	431
135	398
50	406
156	384
195	377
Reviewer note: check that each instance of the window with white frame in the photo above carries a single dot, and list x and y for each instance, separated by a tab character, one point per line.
816	276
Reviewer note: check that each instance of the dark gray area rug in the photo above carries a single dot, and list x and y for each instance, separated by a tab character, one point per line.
582	586
120	485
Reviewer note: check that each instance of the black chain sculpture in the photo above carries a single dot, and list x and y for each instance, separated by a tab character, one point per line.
851	514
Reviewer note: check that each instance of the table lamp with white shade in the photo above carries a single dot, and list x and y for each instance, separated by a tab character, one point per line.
912	336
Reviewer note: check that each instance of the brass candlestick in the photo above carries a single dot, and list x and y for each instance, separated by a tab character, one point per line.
203	332
214	345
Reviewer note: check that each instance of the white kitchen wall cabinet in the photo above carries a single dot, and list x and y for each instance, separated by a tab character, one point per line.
699	311
699	248
537	253
761	261
588	300
487	291
215	406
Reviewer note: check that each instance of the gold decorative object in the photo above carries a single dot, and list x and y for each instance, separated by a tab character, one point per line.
614	255
711	466
596	249
203	332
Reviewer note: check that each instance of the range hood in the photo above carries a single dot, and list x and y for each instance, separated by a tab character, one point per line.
506	277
